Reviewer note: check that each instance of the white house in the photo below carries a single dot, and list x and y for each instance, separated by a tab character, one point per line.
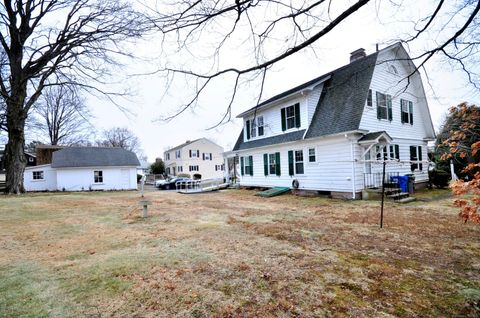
201	156
84	168
332	133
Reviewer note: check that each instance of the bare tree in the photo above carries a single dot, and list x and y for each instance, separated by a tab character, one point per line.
55	42
120	137
62	116
268	32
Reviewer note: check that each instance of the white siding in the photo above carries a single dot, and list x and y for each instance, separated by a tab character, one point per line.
332	170
312	101
81	179
49	182
386	82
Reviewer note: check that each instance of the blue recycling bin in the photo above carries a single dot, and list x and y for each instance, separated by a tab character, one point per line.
402	182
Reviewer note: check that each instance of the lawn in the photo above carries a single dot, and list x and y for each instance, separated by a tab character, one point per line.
231	254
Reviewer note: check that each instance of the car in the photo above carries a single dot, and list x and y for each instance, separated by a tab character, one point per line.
171	183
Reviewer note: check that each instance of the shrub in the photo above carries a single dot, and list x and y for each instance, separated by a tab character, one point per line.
439	178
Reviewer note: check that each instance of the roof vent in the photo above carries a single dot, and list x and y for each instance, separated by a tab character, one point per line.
357	54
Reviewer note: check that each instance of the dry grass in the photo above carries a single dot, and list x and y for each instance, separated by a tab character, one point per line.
231	254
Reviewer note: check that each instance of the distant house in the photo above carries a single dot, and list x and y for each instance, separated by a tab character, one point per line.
30	158
84	168
332	133
200	156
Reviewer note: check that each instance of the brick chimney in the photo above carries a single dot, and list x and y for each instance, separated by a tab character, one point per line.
357	54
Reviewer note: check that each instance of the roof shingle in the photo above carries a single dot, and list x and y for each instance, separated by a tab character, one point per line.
76	157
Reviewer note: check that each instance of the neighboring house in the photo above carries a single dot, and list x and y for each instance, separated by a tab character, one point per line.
84	168
30	158
144	168
332	133
200	156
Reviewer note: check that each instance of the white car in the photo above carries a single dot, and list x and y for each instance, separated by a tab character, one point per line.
159	183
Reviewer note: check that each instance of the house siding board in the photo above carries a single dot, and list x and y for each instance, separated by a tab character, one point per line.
386	82
312	102
49	183
206	168
82	179
317	175
343	98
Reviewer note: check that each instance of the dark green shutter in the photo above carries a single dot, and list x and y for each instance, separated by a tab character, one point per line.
250	159
297	115
290	163
284	119
420	157
402	118
277	164
410	109
248	129
389	107
265	164
379	114
397	152
242	164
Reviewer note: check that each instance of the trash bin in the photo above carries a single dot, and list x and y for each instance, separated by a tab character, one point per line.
402	182
411	183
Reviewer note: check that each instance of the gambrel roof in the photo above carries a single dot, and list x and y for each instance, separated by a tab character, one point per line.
340	106
77	157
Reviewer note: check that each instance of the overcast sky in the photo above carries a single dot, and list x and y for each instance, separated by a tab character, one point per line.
151	99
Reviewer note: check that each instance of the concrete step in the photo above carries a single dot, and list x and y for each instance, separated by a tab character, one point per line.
407	200
398	196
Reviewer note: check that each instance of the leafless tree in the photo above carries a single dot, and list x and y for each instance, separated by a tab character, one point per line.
120	137
55	42
62	116
268	32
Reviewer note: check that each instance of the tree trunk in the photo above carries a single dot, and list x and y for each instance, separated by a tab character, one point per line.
15	160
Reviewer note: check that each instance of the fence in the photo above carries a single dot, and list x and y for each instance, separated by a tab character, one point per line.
374	180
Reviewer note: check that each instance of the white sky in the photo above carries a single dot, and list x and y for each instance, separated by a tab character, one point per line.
447	87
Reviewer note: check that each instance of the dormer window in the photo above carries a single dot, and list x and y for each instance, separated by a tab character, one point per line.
260	125
254	127
290	117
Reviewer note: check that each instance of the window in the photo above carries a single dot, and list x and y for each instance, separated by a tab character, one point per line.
246	164
406	108
394	152
260	125
30	159
98	176
369	98
167	156
177	154
290	117
194	153
193	168
311	155
416	158
207	156
180	169
295	162
167	170
37	175
389	152
271	164
253	132
247	129
219	167
384	106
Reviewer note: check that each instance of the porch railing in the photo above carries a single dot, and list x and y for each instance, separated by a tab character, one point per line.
374	180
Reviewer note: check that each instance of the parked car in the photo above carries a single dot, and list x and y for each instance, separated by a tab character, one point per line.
170	183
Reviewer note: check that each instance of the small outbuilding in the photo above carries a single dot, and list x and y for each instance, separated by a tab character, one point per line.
83	169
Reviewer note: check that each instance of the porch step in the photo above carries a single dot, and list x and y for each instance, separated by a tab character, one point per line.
398	196
407	200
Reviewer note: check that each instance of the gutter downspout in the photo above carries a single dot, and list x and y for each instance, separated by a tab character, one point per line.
353	170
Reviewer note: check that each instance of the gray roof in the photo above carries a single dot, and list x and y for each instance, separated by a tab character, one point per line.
278	139
373	136
343	99
75	157
340	106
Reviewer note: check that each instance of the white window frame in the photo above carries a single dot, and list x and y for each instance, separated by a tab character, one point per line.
38	175
290	117
260	126
98	176
380	105
405	109
314	154
297	162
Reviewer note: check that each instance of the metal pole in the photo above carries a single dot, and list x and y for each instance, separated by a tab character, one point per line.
383	193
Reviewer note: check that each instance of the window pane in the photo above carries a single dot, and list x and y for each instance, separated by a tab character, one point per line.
311	155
